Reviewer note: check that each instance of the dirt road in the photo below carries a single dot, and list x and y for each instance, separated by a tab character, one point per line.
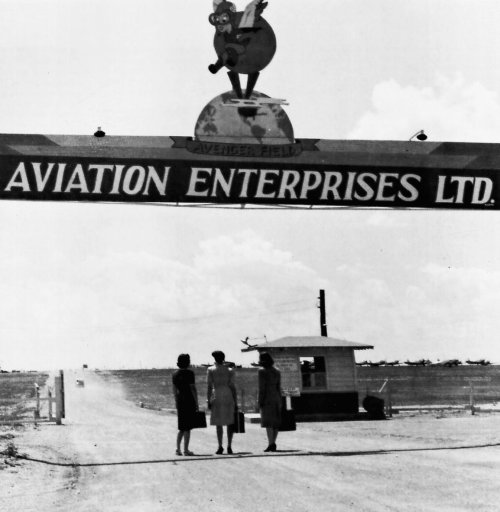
111	455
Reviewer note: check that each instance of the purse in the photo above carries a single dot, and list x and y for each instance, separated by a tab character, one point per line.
287	420
199	420
239	422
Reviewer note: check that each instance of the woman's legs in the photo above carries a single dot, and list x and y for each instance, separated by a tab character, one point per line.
187	437
230	433
180	435
219	434
186	434
270	435
275	435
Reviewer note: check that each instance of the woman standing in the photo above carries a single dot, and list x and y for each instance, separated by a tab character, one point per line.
186	401
221	399
269	399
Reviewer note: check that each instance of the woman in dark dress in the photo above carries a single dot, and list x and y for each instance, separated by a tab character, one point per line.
186	401
269	399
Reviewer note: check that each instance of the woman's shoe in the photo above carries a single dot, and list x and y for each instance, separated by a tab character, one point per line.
187	452
178	452
272	447
229	450
268	449
219	451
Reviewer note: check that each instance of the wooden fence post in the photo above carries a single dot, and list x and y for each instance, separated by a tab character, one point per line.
389	399
63	401
50	399
471	399
59	398
37	397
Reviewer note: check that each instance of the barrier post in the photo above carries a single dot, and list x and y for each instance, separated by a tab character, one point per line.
471	399
389	399
63	401
50	399
59	398
37	398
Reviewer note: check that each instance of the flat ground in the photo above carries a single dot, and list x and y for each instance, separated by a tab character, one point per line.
111	455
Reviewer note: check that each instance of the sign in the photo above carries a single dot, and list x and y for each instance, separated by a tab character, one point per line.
245	150
290	391
169	181
290	374
137	170
288	364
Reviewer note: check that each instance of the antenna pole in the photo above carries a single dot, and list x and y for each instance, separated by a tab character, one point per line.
322	313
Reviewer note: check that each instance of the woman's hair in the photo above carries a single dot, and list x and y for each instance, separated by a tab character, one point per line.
183	361
266	360
219	356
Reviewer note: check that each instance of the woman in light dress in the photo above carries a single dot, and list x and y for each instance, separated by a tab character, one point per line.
221	400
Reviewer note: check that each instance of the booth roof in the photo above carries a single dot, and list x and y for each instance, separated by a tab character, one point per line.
308	342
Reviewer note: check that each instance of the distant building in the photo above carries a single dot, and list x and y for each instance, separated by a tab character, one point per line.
318	373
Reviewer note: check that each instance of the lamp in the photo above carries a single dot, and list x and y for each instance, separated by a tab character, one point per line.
420	135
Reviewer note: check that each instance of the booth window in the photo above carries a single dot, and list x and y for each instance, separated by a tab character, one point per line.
313	371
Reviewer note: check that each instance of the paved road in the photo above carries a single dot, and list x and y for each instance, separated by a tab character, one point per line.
111	455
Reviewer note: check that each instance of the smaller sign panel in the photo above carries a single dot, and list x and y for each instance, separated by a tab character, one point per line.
290	374
290	391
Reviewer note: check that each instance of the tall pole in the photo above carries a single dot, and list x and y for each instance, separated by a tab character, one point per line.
63	400
322	313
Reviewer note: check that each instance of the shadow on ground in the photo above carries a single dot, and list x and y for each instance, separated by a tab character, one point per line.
248	455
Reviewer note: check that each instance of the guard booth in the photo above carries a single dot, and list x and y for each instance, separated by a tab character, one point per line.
318	373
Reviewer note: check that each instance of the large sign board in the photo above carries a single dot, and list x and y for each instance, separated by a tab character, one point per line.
314	173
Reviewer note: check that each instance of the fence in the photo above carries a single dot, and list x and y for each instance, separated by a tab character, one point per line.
20	404
470	398
433	387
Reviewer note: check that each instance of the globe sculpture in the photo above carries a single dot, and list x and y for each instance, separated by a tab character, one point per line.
221	122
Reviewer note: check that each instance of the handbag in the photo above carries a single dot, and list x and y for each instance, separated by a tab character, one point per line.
287	420
239	422
199	420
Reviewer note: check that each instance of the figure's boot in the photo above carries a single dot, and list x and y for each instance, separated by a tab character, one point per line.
213	68
235	82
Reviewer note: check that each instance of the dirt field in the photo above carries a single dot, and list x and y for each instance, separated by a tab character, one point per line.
17	394
409	385
111	455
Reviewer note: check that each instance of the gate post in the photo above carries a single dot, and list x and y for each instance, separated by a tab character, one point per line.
37	397
388	395
63	401
58	385
471	398
50	400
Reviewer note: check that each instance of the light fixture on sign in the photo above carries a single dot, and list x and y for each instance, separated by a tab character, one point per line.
420	135
99	133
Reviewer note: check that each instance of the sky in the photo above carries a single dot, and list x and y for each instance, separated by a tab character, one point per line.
130	286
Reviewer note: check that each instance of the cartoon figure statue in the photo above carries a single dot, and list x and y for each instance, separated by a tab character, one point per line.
244	42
